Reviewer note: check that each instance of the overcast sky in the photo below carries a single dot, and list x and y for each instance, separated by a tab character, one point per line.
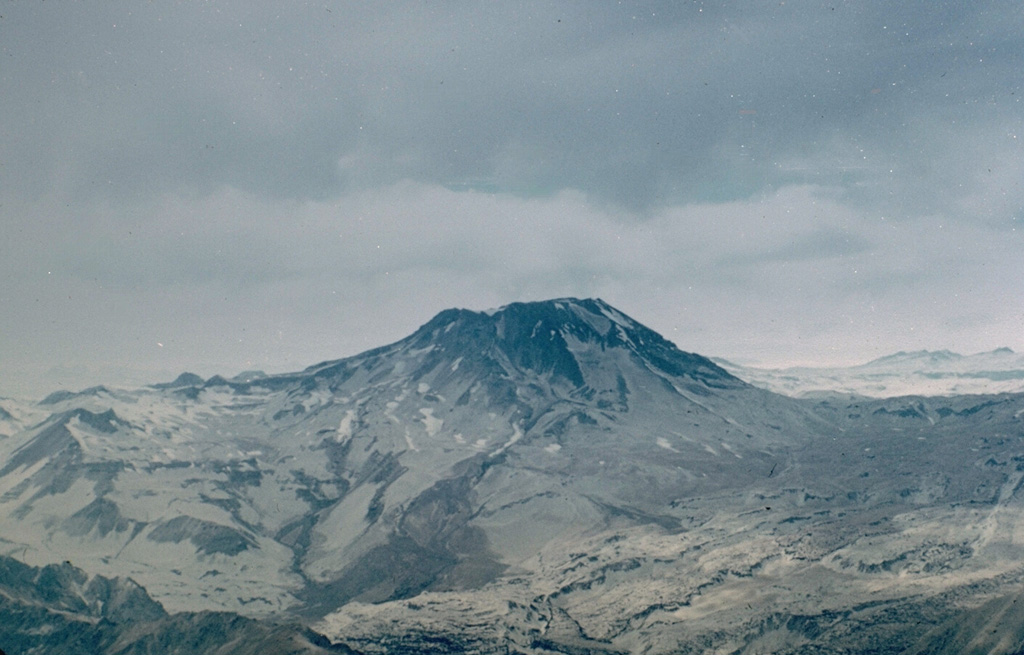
221	186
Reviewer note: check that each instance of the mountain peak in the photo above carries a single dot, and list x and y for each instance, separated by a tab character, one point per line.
560	338
594	312
933	356
580	315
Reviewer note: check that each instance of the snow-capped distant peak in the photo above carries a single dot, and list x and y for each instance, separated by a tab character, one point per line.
921	372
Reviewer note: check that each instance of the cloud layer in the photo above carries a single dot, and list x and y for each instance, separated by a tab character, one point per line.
253	185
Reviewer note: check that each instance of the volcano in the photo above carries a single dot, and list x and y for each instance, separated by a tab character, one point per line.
544	477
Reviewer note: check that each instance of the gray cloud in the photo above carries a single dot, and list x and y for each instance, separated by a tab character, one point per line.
764	180
644	103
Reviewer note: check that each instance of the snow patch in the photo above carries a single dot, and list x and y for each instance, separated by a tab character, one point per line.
389	410
663	443
455	364
431	423
623	335
553	448
422	388
86	440
409	442
735	454
615	317
517	434
345	428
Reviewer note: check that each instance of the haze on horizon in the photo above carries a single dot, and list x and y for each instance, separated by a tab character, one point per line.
225	186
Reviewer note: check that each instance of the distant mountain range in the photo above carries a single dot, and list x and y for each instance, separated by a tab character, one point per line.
548	477
922	373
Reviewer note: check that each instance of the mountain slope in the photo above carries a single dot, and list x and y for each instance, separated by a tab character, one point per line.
61	609
545	477
371	477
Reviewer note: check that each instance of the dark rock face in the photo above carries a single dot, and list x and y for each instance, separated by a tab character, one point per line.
60	609
532	338
183	380
101	516
208	538
53	442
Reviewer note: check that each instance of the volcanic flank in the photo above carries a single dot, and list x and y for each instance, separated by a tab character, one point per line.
544	477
